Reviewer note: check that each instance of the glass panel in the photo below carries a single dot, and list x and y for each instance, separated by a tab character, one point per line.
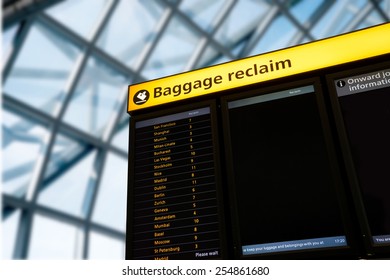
303	10
67	176
9	226
284	29
95	98
334	18
374	18
80	16
338	17
121	136
211	57
173	51
34	78
106	248
243	19
110	207
52	239
385	6
131	27
202	12
21	146
8	37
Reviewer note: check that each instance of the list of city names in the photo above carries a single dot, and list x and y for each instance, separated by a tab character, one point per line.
175	197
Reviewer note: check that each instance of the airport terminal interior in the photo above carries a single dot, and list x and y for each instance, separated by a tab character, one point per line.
66	68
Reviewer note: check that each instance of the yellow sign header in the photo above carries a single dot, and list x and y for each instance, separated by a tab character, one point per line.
338	50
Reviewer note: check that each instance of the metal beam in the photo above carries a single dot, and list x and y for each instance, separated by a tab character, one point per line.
19	203
359	17
19	10
218	21
202	33
42	118
81	42
295	22
17	44
376	4
150	46
312	21
271	14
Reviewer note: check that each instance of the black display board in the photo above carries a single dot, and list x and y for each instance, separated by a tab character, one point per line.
361	102
174	185
285	188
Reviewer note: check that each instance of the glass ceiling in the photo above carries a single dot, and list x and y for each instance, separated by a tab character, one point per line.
65	77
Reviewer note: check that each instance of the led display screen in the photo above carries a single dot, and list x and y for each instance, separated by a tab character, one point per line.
175	204
364	100
285	189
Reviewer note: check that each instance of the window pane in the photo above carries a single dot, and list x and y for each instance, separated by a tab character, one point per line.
52	239
173	50
9	227
110	206
211	57
244	18
302	10
106	248
269	42
80	15
67	176
34	78
22	144
374	18
203	12
130	28
8	37
95	98
121	136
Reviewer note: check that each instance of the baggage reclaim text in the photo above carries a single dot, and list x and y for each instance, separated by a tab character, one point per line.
208	83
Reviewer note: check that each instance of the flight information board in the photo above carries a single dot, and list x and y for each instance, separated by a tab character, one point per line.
364	100
282	173
175	206
280	155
